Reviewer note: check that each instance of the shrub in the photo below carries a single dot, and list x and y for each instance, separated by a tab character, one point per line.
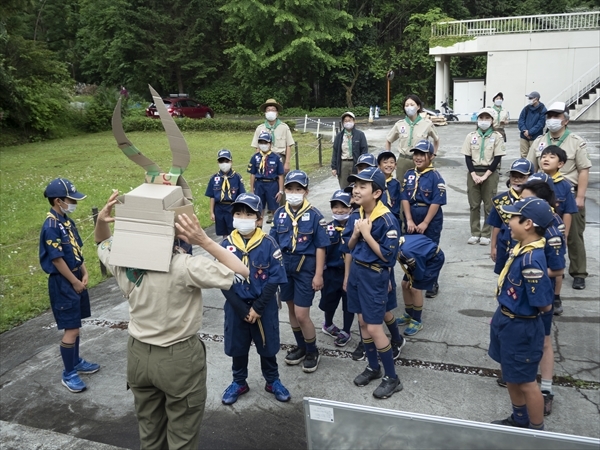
136	123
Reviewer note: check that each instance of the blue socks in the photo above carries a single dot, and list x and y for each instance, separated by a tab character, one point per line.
348	320
371	353
311	345
67	352
387	359
299	337
76	353
417	311
393	328
521	416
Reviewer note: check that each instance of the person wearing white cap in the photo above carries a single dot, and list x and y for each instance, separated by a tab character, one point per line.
348	145
531	122
576	170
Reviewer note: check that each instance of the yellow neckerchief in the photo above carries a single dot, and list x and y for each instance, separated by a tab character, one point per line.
226	187
340	228
263	162
294	217
557	177
379	210
389	197
419	175
237	239
67	225
412	124
549	138
518	250
512	197
404	267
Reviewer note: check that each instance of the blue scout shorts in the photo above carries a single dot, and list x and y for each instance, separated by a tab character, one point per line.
300	271
267	191
433	270
223	219
332	292
239	334
367	292
68	306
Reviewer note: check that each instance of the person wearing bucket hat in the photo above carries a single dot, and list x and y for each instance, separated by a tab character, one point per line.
502	115
576	170
483	150
348	145
524	295
531	122
282	140
62	259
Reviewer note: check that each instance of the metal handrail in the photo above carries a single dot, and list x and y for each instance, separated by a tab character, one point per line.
583	110
588	80
518	24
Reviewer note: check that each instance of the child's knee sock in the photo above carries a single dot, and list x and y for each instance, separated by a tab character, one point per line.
409	310
371	353
387	360
299	337
520	415
76	352
311	345
348	320
329	318
66	352
393	327
417	311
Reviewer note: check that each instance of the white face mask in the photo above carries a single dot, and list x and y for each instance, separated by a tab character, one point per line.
411	110
498	102
263	147
225	167
341	217
271	116
554	125
484	124
294	199
348	125
531	100
71	207
244	226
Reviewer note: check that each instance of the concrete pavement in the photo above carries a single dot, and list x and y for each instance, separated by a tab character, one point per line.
444	368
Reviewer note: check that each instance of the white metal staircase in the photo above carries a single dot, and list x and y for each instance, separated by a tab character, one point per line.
582	94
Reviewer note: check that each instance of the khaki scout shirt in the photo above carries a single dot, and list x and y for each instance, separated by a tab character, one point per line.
166	307
577	154
494	146
283	138
423	129
345	150
503	117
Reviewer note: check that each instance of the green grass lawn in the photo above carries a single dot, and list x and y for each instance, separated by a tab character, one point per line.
96	166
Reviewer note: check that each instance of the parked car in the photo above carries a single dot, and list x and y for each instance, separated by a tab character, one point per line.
182	107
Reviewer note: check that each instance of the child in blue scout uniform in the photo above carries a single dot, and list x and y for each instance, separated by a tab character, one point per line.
223	188
61	258
387	164
501	240
266	171
423	195
421	260
524	294
333	276
251	312
371	235
299	229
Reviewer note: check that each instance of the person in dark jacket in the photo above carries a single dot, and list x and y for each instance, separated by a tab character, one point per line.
531	122
348	145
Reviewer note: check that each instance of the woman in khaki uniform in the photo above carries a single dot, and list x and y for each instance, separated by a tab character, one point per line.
502	115
483	150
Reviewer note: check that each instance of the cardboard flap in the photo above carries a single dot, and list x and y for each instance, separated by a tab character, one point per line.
141	251
153	197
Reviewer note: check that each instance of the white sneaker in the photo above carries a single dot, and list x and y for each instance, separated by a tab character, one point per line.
484	241
473	240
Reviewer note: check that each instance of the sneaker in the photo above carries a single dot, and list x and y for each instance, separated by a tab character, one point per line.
278	390
397	347
342	339
404	319
433	292
359	353
578	283
387	387
231	394
473	240
331	330
558	308
548	397
72	381
87	367
501	382
484	241
296	356
413	328
367	376
509	422
311	362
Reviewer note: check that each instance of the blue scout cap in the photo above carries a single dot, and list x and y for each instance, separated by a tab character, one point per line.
423	146
251	201
370	174
544	177
341	196
61	188
348	189
385	155
533	208
265	136
296	176
367	158
521	165
224	154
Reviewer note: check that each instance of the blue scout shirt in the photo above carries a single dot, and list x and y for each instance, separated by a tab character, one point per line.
225	187
498	219
265	264
59	238
391	197
565	200
556	246
272	167
310	230
334	256
385	230
430	188
415	251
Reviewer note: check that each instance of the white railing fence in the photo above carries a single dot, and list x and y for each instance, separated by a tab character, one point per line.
581	86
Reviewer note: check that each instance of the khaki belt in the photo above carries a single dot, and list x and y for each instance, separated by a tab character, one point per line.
419	204
508	313
402	155
375	267
266	180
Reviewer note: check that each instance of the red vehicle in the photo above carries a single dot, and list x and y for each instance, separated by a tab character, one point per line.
182	106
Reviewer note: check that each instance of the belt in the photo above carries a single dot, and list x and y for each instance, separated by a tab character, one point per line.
481	168
225	203
349	159
266	180
75	269
508	313
375	267
419	204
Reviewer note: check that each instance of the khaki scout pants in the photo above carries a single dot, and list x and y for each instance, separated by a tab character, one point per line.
476	194
282	199
524	145
402	165
576	246
169	388
346	167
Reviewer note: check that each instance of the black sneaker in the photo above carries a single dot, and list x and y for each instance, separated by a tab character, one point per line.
501	382
433	292
509	422
311	362
367	376
359	353
296	356
387	387
558	309
548	398
578	283
397	347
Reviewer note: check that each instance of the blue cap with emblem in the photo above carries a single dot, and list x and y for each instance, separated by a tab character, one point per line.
533	208
224	154
61	188
296	176
543	177
370	174
341	196
368	159
423	146
265	136
251	201
521	165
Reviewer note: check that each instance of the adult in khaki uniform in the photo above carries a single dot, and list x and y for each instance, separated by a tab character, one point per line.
348	145
483	150
166	361
576	170
502	115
